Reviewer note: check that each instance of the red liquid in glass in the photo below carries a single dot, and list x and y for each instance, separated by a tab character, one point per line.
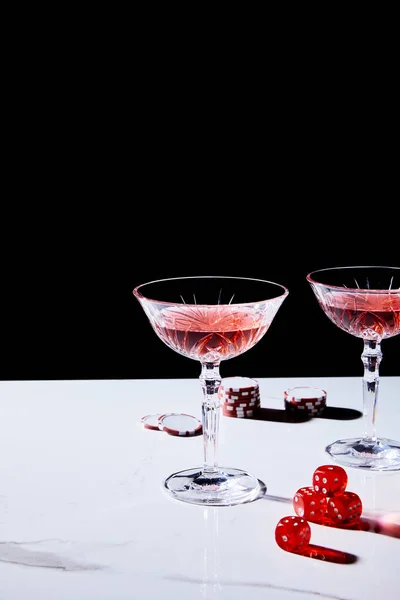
211	333
368	316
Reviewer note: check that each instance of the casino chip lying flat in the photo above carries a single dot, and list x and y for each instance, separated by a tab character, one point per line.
178	424
150	422
239	397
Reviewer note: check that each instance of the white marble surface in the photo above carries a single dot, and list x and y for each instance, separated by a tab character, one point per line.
83	515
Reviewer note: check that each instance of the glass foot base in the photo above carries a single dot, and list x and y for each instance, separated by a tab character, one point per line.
225	488
381	455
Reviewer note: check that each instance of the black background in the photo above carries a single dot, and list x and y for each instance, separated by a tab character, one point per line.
68	310
126	162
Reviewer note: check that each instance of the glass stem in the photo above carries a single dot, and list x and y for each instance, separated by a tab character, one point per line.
210	380
371	358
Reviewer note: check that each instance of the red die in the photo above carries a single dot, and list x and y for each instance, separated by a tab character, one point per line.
292	534
344	510
330	480
309	504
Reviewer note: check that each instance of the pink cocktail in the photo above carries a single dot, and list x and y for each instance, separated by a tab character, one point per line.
211	333
368	315
364	302
210	320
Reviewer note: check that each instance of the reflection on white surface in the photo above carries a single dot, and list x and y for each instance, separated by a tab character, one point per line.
211	586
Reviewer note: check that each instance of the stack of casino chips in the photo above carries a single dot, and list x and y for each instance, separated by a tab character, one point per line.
239	397
305	400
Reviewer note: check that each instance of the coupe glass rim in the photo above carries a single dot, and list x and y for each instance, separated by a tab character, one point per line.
284	291
311	278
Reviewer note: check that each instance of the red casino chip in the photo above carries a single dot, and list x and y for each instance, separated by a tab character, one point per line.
253	401
150	422
238	384
231	406
305	400
233	399
244	414
180	424
239	397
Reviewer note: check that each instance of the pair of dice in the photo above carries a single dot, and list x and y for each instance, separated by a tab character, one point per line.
325	502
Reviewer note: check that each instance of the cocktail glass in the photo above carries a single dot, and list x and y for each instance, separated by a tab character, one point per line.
365	302
210	320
